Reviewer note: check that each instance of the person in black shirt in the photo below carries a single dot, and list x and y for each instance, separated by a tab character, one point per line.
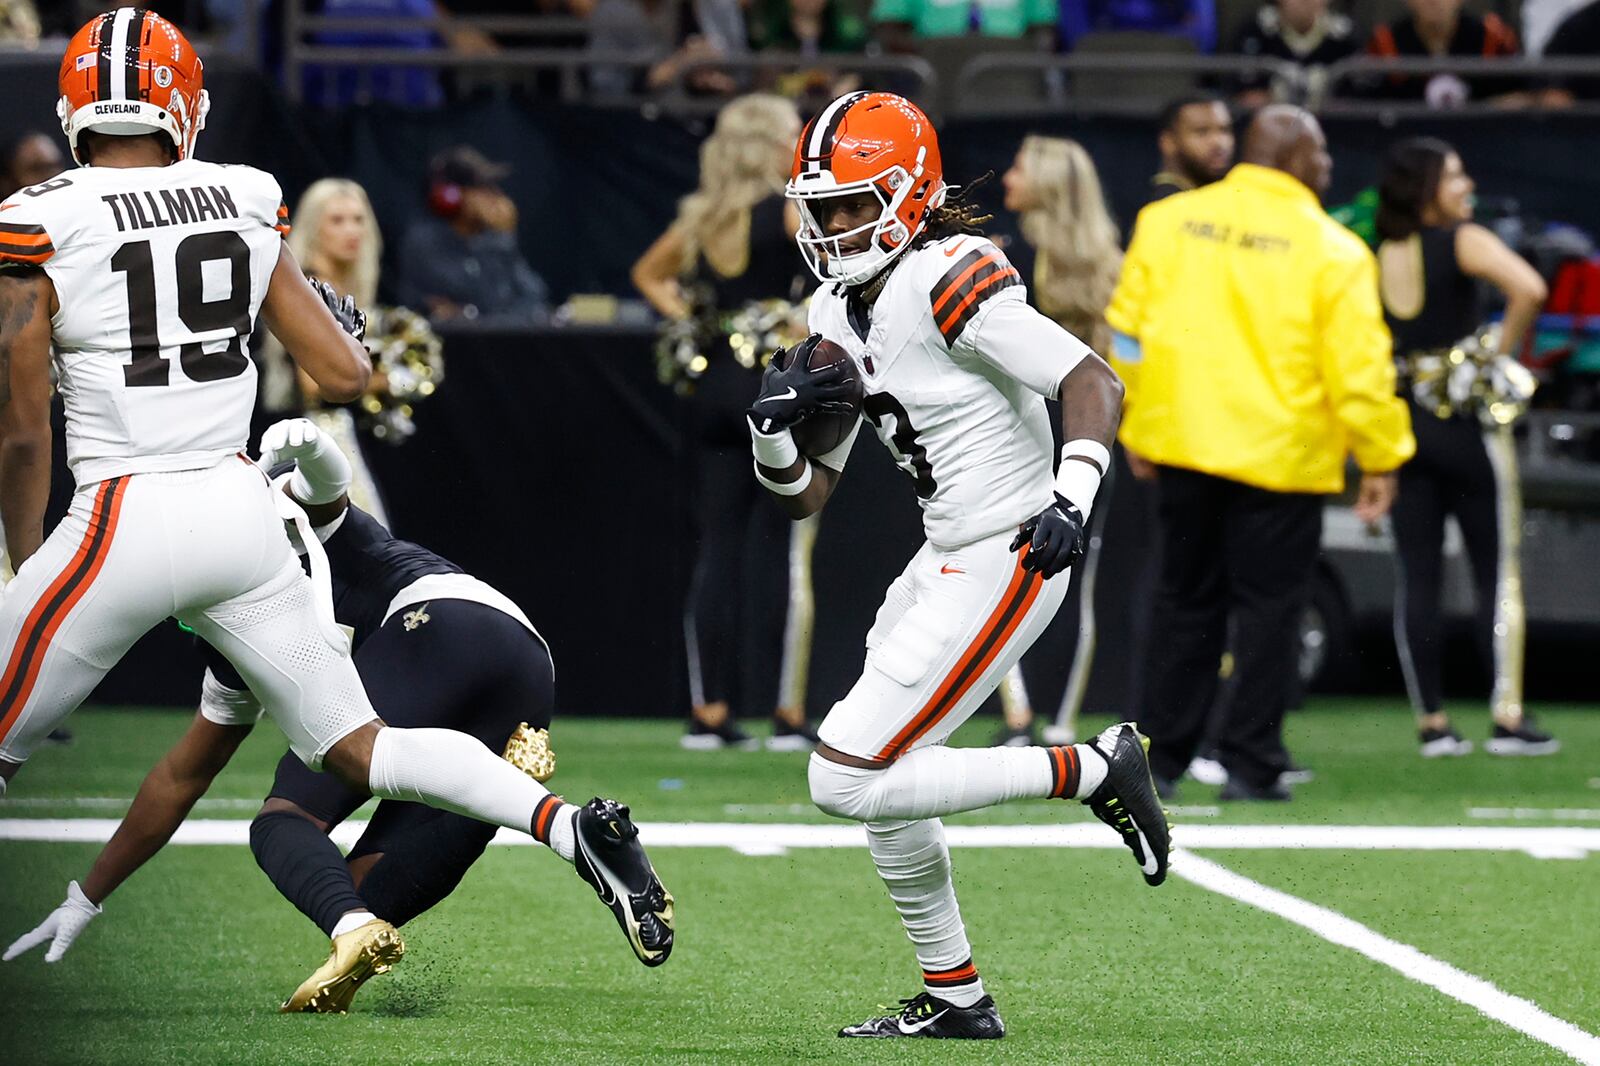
1302	32
463	262
1196	142
730	249
1442	28
1430	260
1578	35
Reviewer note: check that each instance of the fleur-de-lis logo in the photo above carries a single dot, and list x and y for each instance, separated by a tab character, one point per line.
418	617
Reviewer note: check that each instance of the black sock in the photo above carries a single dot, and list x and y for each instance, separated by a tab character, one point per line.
422	865
305	866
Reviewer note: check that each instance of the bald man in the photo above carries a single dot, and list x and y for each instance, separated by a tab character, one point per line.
1251	341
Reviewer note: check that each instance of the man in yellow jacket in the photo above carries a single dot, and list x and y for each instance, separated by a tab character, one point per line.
1251	340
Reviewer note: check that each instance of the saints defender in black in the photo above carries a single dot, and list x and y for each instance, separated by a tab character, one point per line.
434	647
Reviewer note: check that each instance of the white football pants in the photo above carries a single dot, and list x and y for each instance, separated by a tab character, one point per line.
953	623
205	546
950	627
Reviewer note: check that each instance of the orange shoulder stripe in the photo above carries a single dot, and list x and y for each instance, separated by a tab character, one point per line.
951	289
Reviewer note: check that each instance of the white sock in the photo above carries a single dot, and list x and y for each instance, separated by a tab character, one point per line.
453	772
352	920
553	826
1092	771
914	863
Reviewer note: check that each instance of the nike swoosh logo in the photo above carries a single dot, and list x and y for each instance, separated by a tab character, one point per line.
786	394
917	1028
951	254
7	207
947	569
607	894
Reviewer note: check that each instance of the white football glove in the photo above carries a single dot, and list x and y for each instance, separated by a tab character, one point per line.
61	928
292	439
322	473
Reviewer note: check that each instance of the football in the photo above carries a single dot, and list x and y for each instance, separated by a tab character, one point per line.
823	431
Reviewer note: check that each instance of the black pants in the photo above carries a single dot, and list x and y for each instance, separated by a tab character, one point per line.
1129	575
1229	552
1450	475
470	668
739	594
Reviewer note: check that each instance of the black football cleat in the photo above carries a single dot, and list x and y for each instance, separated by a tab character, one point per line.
1127	800
1442	743
925	1015
1274	791
1525	739
610	857
787	737
702	737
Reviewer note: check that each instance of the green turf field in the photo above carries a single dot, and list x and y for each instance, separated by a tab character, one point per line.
775	951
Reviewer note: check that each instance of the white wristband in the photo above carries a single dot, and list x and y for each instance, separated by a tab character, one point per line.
1089	449
787	488
1077	481
775	451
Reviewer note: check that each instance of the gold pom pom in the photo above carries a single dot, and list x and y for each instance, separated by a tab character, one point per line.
529	751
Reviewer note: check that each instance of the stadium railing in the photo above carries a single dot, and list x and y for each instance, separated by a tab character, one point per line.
568	63
911	76
568	60
1136	84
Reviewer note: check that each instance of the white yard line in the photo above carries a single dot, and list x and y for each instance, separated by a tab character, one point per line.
115	803
1536	814
1545	842
1475	992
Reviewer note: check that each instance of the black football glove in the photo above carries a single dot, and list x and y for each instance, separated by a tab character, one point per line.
1056	538
789	395
351	318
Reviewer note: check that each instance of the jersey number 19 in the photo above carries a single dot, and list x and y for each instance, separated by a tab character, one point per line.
149	367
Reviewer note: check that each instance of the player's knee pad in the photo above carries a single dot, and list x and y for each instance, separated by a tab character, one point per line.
843	791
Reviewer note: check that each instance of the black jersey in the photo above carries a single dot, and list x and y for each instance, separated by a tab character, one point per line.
370	567
773	271
1450	308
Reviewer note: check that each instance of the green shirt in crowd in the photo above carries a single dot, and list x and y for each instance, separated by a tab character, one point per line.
954	18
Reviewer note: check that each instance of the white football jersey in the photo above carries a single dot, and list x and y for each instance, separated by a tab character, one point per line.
956	367
160	273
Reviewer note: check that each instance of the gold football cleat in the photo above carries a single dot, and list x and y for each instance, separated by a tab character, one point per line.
361	953
529	751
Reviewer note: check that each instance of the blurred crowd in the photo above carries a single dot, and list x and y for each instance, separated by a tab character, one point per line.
703	47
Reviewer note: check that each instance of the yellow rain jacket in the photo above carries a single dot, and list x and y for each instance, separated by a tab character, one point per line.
1251	340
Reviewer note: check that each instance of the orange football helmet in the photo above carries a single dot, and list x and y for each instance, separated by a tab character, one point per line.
130	71
866	142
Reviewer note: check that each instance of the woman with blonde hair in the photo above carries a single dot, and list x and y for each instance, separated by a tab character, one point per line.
1076	248
1069	256
727	262
334	236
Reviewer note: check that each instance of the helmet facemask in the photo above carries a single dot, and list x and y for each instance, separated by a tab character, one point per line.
890	233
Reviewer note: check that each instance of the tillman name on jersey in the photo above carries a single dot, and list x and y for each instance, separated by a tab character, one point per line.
146	209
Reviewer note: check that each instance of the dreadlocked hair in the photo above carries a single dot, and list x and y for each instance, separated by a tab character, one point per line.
958	214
